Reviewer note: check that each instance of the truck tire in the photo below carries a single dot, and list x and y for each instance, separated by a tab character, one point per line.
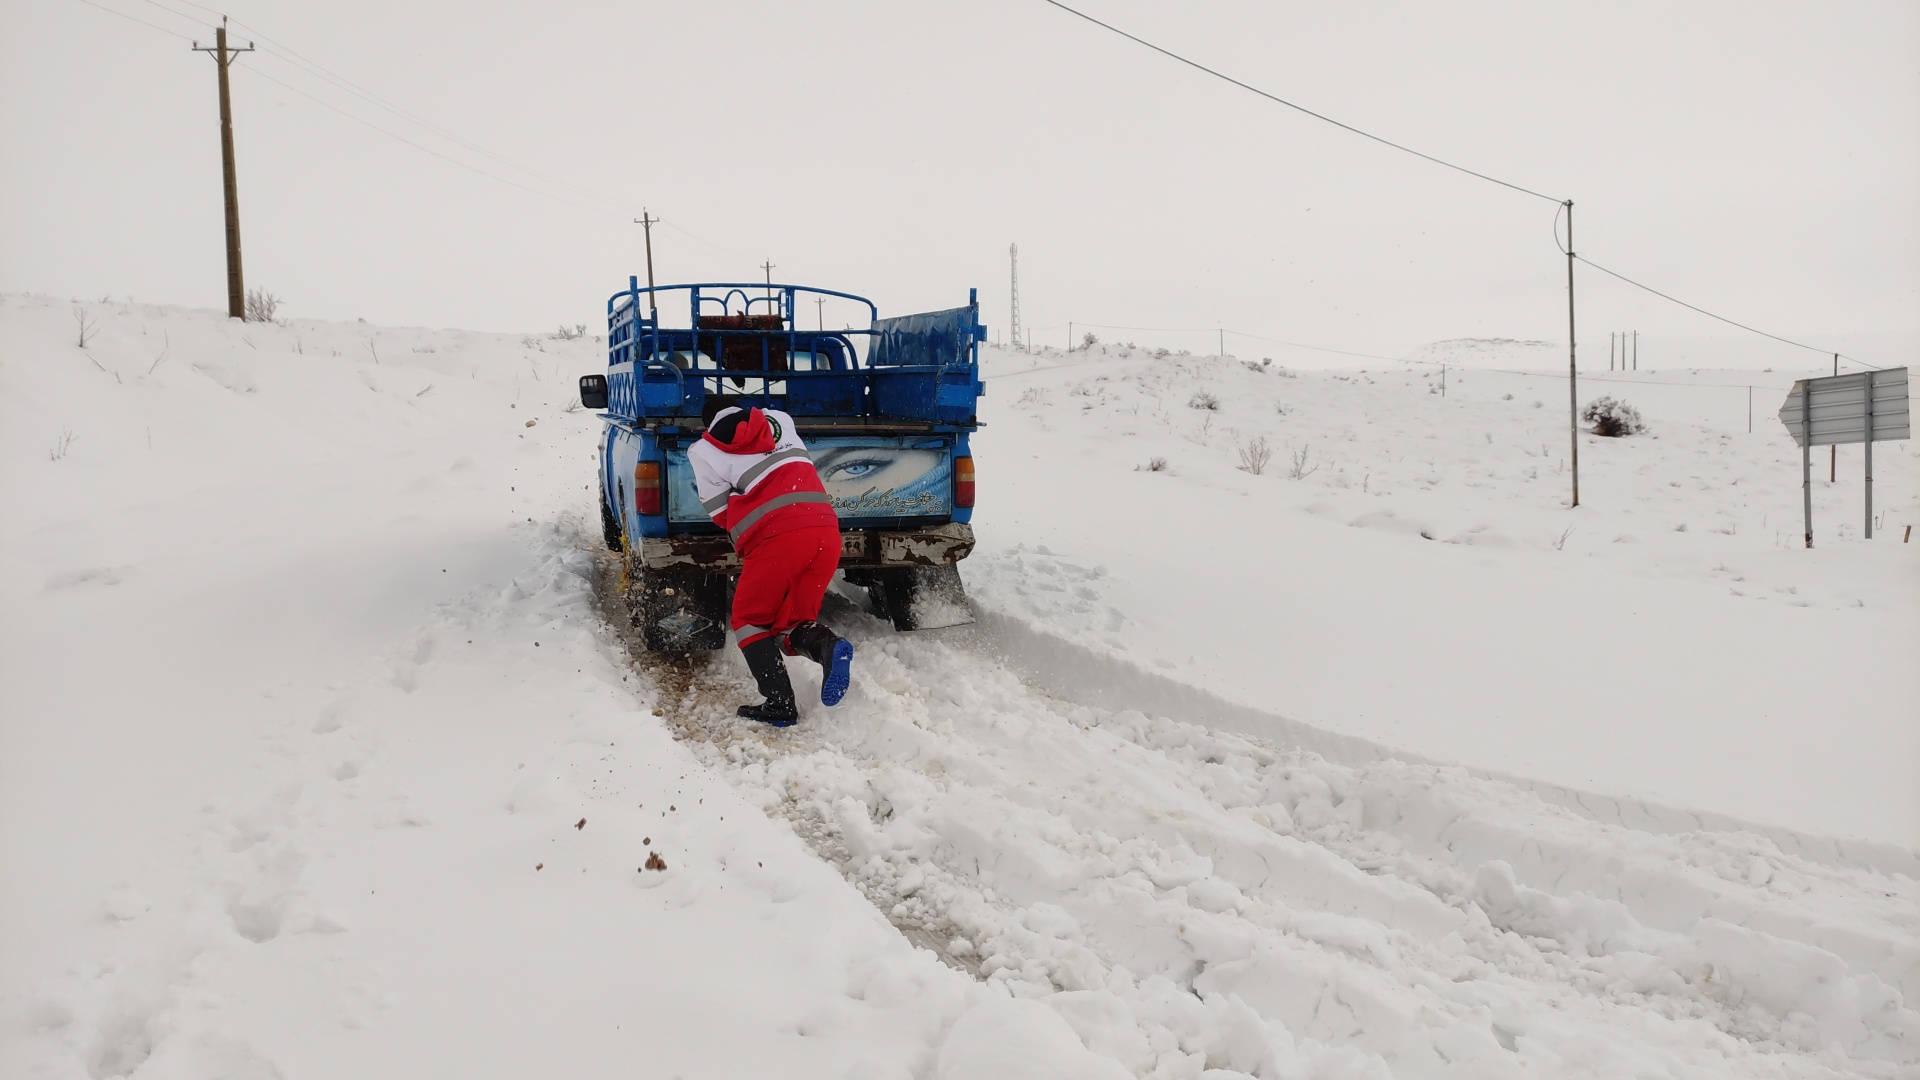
680	612
610	528
922	597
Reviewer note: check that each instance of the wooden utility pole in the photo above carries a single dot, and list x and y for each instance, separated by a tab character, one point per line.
1573	369
224	57
646	222
820	313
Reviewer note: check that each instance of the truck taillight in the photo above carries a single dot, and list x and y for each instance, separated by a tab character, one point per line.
646	487
963	481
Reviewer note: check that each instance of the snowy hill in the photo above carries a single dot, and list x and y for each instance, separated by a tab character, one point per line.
319	758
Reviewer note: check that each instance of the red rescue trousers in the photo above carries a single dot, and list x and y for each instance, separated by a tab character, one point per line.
783	581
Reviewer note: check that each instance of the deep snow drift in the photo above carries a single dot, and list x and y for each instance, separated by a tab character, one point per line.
318	756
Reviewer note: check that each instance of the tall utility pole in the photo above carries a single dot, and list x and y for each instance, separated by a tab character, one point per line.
768	267
1013	302
1573	369
224	57
820	313
646	222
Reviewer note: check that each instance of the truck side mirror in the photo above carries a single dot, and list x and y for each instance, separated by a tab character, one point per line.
593	391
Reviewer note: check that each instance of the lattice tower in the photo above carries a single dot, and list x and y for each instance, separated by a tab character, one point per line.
1013	305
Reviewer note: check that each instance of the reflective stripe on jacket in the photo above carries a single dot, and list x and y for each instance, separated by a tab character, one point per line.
758	481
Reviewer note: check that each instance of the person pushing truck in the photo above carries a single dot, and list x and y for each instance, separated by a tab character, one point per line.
755	479
710	498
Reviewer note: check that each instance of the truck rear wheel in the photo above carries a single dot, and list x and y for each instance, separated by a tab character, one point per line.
681	612
610	528
920	597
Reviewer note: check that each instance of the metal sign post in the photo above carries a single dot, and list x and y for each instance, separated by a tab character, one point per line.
1861	408
1806	461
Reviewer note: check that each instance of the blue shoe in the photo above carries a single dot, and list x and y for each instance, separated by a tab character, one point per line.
838	672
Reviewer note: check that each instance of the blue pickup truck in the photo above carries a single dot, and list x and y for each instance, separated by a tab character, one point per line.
886	412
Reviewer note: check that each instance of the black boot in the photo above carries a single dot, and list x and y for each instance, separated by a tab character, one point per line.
833	653
770	672
813	641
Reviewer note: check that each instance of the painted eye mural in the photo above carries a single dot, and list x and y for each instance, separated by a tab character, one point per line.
867	478
887	481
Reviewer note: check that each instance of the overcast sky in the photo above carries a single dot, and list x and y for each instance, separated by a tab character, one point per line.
1761	159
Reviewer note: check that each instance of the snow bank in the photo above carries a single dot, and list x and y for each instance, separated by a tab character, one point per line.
321	757
1423	586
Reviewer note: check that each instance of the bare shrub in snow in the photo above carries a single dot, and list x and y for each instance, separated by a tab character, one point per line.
88	327
571	333
1033	395
1300	470
65	444
261	306
1612	417
1255	455
1089	341
1204	399
1158	464
1560	544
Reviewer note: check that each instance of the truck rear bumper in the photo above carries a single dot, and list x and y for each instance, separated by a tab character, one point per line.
876	549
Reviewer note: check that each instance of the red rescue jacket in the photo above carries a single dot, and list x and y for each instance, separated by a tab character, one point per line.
759	482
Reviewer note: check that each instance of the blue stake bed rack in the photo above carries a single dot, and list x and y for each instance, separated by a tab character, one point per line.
742	340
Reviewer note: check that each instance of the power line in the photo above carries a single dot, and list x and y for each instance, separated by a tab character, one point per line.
179	14
1303	345
1696	307
130	18
697	238
426	149
1230	330
1299	108
284	53
1463	368
1439	161
1704	311
203	7
287	54
360	120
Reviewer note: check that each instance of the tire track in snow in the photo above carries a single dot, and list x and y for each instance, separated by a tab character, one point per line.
1190	898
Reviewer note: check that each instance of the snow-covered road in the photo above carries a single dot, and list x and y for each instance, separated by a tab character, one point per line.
319	755
1186	897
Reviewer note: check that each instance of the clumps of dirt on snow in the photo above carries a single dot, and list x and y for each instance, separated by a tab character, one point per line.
695	695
